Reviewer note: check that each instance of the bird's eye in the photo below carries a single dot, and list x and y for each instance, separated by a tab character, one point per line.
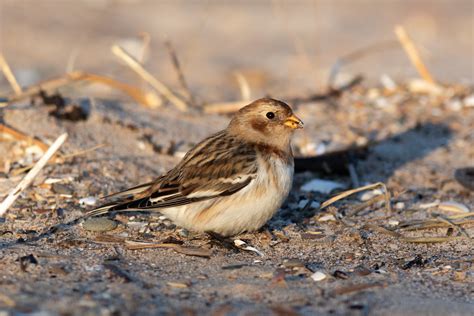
270	115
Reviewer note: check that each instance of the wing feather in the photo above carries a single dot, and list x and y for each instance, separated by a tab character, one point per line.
218	166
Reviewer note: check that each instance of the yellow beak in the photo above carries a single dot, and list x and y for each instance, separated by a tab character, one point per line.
293	122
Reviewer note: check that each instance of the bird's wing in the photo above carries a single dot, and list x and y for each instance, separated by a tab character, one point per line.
220	165
130	191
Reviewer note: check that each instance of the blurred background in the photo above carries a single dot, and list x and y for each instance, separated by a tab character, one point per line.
280	46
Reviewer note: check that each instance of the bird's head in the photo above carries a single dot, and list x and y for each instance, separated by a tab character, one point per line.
266	121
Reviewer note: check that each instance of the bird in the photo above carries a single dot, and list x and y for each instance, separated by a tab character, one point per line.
230	183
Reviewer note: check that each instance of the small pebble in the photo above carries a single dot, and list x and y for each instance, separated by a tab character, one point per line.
388	82
362	271
88	201
459	276
323	186
99	224
393	222
60	212
52	180
243	245
368	195
318	276
59	188
327	218
183	232
455	105
469	101
293	263
399	206
302	204
341	275
137	225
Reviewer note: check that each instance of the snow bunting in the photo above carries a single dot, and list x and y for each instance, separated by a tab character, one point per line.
231	182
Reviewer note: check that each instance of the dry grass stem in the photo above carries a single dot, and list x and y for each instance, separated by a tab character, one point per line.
47	86
143	73
431	223
413	54
6	300
454	225
59	159
146	41
464	215
243	86
22	137
382	230
358	208
82	152
345	194
26	181
7	72
179	72
224	107
426	240
71	60
148	99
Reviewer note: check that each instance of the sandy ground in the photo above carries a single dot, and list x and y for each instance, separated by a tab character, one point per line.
420	141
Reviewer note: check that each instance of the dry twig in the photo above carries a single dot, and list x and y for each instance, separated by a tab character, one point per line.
155	83
146	41
244	86
26	181
431	223
60	159
179	72
21	136
413	54
7	72
382	230
344	194
146	98
454	225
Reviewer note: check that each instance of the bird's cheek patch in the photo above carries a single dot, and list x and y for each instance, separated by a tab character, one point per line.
259	125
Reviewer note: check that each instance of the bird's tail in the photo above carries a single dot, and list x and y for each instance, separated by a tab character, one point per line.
141	204
104	209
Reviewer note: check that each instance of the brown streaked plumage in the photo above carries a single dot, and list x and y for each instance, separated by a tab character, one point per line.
232	181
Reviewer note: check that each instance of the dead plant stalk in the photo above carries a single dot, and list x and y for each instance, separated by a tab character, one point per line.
30	176
143	73
7	72
413	54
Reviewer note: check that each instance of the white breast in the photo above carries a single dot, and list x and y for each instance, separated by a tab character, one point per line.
246	210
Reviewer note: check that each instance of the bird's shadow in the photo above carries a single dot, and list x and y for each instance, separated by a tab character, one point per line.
374	163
